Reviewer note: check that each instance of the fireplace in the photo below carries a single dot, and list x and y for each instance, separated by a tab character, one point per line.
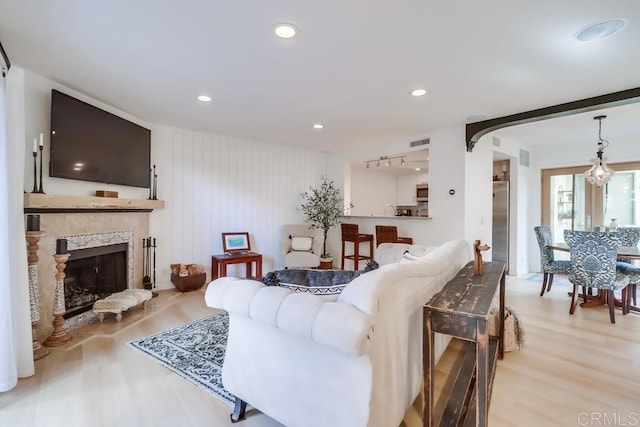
99	265
85	222
93	274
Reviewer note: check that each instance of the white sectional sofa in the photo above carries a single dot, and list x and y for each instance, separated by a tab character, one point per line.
354	362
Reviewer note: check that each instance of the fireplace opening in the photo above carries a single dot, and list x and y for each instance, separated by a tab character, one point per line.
93	274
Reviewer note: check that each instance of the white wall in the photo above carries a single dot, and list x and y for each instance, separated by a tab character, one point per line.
446	171
213	184
371	191
38	120
479	195
210	184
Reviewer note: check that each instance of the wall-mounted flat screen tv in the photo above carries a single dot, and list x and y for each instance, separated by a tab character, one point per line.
91	144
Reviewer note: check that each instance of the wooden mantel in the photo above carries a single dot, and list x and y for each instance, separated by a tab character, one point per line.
50	203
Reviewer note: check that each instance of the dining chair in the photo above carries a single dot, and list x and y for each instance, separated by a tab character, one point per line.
631	237
593	265
550	266
632	271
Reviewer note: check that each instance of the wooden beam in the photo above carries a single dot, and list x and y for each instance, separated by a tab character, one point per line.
478	129
7	63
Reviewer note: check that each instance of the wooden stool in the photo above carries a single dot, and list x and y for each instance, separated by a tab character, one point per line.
389	234
350	234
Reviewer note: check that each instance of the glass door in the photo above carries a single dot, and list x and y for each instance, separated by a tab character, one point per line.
566	201
570	202
620	201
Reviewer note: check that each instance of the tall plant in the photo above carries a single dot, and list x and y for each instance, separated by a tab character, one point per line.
323	207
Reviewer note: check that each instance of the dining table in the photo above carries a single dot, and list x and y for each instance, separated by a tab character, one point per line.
624	252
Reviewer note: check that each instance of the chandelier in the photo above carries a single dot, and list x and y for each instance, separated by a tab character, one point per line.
599	173
386	160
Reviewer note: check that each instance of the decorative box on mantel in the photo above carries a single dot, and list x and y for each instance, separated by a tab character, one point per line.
42	203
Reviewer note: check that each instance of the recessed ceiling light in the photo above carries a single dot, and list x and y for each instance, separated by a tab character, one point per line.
204	98
417	169
285	31
600	30
318	126
418	92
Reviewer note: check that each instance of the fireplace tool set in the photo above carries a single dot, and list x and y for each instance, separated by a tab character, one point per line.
148	262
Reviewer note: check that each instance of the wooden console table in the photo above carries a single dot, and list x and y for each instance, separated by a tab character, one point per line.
461	309
219	263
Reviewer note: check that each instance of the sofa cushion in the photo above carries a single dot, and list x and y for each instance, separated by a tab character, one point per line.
300	314
388	253
441	261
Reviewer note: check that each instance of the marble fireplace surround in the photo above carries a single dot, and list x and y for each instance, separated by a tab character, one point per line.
96	240
85	224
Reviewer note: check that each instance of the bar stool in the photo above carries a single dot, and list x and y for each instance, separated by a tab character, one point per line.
350	234
389	234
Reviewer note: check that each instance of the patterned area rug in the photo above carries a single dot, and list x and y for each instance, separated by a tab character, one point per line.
194	351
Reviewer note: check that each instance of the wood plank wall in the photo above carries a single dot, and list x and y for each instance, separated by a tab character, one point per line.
213	184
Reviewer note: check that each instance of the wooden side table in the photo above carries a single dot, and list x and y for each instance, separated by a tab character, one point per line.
219	263
461	309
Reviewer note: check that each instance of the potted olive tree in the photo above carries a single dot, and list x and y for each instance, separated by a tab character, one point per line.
323	207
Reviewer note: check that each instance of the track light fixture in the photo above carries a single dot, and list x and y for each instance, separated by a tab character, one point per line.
386	160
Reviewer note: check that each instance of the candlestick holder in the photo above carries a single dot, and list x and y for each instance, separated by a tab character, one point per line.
33	238
151	184
35	172
59	335
155	184
41	188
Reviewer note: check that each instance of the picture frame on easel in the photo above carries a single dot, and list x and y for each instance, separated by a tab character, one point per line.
236	242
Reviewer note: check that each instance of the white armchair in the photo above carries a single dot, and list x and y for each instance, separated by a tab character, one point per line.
301	246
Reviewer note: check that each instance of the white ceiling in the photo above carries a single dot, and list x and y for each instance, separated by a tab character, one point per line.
351	67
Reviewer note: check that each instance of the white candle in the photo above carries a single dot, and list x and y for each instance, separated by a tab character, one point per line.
35	145
41	140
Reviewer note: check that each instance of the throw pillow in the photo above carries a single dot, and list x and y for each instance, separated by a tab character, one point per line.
301	243
371	265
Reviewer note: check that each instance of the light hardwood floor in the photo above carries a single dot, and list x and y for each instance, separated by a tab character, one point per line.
574	370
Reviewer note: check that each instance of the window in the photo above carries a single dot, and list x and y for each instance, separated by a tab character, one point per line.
570	202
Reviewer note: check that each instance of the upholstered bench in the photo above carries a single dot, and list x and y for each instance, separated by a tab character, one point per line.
121	301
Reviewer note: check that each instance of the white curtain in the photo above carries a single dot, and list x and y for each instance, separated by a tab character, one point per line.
16	352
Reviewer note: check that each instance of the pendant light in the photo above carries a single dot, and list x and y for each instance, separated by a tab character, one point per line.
599	173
